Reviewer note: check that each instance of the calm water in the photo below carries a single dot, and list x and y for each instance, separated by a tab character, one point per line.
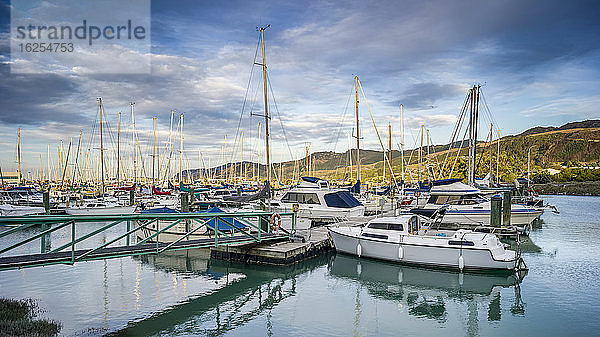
186	294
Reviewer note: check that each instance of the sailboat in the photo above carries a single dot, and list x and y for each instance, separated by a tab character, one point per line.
101	205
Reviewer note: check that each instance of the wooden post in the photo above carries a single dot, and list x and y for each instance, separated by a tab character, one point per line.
495	217
506	208
47	202
185	207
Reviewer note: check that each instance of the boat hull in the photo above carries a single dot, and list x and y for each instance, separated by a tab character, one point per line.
101	211
426	254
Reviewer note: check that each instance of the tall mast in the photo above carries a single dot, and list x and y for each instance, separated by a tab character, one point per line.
153	148
133	143
264	65
357	131
226	160
180	148
390	151
101	146
48	163
498	160
19	154
118	149
402	142
491	171
242	158
420	155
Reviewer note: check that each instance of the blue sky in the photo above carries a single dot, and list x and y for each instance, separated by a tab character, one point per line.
538	62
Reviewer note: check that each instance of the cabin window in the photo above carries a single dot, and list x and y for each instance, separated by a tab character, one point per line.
375	236
461	243
413	224
378	226
301	198
387	226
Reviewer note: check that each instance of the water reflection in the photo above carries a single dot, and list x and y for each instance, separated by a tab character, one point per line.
425	292
243	299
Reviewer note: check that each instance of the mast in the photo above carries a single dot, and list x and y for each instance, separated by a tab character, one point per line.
153	148
491	171
498	160
19	155
101	146
118	149
402	143
180	148
420	155
133	143
48	163
242	158
390	151
428	157
264	65
226	160
357	132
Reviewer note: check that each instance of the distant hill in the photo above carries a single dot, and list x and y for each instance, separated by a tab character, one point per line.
592	123
576	142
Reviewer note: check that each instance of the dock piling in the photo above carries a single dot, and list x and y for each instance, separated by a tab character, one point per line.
506	208
495	215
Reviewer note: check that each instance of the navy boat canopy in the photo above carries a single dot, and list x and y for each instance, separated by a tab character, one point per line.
159	210
311	179
443	182
224	223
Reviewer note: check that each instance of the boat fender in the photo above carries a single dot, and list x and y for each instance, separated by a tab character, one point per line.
417	194
359	250
400	252
461	263
275	221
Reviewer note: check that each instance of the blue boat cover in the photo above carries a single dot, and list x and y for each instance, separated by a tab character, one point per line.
443	182
223	223
341	199
160	210
310	179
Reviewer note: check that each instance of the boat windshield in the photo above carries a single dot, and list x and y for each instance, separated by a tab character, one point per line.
469	199
301	198
341	199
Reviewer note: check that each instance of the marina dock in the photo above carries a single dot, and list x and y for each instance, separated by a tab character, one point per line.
307	244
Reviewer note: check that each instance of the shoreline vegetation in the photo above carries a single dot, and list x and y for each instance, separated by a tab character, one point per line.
584	188
19	318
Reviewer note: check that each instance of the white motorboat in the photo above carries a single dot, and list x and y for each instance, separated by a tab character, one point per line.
401	239
15	210
99	207
315	200
468	206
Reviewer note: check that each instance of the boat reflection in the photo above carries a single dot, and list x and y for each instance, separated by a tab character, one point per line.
425	292
242	299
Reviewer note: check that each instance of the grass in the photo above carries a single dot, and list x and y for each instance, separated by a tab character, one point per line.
18	318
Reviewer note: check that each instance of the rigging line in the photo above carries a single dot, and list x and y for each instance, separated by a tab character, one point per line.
487	108
279	117
458	152
377	132
246	93
341	124
456	129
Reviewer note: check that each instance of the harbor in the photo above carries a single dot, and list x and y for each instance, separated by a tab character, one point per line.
299	169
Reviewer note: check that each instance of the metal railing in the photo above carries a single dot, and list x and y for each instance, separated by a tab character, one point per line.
200	230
